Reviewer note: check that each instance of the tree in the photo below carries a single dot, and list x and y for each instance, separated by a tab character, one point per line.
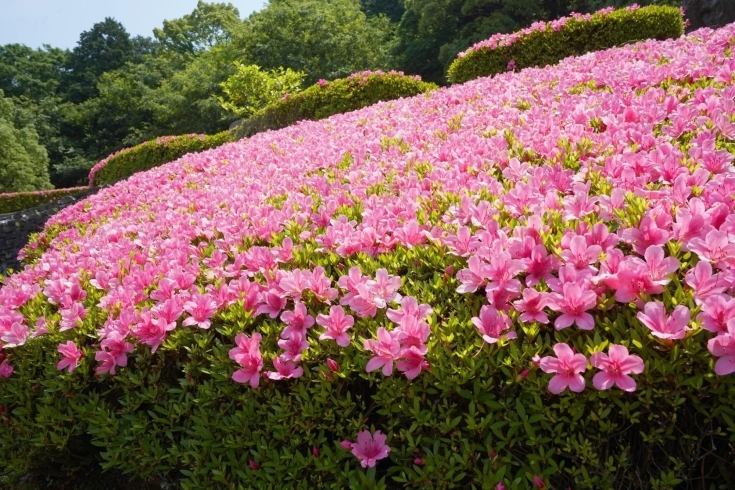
324	38
31	73
209	25
105	47
23	161
251	89
393	9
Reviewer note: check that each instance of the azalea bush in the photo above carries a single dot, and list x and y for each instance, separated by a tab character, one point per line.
124	163
326	98
545	43
518	282
17	201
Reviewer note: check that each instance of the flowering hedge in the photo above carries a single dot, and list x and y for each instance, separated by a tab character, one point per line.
545	43
17	201
124	163
324	99
517	282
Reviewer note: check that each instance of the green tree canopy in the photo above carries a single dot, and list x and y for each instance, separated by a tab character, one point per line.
209	25
105	47
31	73
393	9
23	161
324	38
250	89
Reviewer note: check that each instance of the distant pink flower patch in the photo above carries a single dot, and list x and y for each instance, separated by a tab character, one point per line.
673	327
369	448
615	368
71	356
567	365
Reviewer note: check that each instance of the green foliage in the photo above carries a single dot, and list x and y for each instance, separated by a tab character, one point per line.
31	73
576	37
343	95
17	201
151	154
393	9
23	161
105	47
249	90
324	38
481	414
208	25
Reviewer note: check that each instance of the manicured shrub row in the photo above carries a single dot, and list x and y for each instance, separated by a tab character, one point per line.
124	163
519	282
325	99
17	201
545	43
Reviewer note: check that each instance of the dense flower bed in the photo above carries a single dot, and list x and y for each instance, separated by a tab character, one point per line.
435	270
17	201
545	43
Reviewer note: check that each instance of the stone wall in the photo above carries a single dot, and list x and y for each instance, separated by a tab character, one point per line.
15	228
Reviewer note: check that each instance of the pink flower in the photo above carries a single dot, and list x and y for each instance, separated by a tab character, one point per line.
412	362
660	267
72	355
320	285
539	266
114	354
472	278
284	370
723	346
491	323
294	346
654	317
201	307
6	370
573	304
72	316
247	354
703	282
297	320
16	336
580	255
615	368
714	247
531	306
370	447
332	365
273	304
568	367
386	350
409	307
337	324
718	312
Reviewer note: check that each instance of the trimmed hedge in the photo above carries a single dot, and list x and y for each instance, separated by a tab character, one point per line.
18	201
547	43
126	162
324	99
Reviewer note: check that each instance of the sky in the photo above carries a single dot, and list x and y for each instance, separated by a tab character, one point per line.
59	22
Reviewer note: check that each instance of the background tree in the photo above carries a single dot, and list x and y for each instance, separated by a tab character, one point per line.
323	38
105	47
209	25
250	89
23	161
393	9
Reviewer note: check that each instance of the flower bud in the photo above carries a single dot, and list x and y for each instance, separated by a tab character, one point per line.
500	486
538	482
332	365
253	465
315	451
346	445
418	461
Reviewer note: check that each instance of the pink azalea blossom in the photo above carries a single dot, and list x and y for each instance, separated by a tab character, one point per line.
386	349
659	267
15	336
492	324
285	370
718	313
297	320
674	327
615	368
201	307
703	282
337	323
580	254
412	362
6	370
409	307
115	353
573	304
723	346
294	346
71	356
531	306
369	448
567	365
473	277
539	265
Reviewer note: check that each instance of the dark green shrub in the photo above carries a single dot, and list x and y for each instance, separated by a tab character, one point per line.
325	99
17	201
149	154
546	43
